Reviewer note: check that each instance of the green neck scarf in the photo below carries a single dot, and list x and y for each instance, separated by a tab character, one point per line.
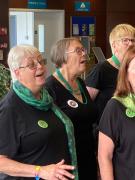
129	103
45	104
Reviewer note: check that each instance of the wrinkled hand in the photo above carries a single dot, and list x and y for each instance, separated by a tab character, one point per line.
56	171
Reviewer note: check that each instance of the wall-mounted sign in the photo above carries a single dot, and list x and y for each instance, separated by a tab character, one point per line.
83	25
82	6
37	4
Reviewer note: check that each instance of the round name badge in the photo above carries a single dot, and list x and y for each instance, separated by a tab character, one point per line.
42	124
72	103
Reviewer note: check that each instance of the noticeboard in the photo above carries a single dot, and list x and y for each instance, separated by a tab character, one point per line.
82	26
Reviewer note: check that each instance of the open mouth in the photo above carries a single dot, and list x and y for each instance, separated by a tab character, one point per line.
83	61
39	75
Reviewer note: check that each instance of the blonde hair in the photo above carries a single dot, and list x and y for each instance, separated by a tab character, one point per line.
120	31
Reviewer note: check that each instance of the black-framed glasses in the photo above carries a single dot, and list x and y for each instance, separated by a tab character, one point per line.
126	41
77	50
33	64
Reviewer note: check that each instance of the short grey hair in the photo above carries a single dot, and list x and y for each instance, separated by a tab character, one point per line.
17	54
58	51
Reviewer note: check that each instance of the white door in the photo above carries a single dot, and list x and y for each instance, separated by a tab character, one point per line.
52	23
41	28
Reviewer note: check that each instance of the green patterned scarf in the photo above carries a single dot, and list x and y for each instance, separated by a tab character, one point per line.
44	104
129	103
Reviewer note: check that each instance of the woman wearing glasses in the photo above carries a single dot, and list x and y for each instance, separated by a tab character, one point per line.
36	137
70	94
101	81
116	150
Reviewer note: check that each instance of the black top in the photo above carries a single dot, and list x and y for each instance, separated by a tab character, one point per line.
121	129
23	140
103	77
82	116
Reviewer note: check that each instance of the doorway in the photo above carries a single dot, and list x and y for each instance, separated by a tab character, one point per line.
38	27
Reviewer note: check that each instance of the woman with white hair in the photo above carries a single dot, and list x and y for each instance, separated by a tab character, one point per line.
36	138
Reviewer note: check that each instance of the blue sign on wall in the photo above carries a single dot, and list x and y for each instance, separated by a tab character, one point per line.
82	6
83	25
37	4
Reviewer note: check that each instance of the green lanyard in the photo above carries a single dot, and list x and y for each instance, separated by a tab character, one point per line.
66	82
116	61
69	87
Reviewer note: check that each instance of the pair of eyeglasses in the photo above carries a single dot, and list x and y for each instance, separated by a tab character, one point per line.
78	50
126	41
33	64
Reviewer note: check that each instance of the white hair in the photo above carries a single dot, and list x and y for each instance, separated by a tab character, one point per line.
17	54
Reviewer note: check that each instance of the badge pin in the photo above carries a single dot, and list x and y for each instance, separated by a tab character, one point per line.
130	113
42	124
72	103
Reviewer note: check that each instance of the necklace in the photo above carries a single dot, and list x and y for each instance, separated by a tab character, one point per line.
116	61
76	91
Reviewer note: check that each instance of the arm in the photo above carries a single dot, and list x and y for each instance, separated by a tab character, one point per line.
93	92
49	172
105	154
